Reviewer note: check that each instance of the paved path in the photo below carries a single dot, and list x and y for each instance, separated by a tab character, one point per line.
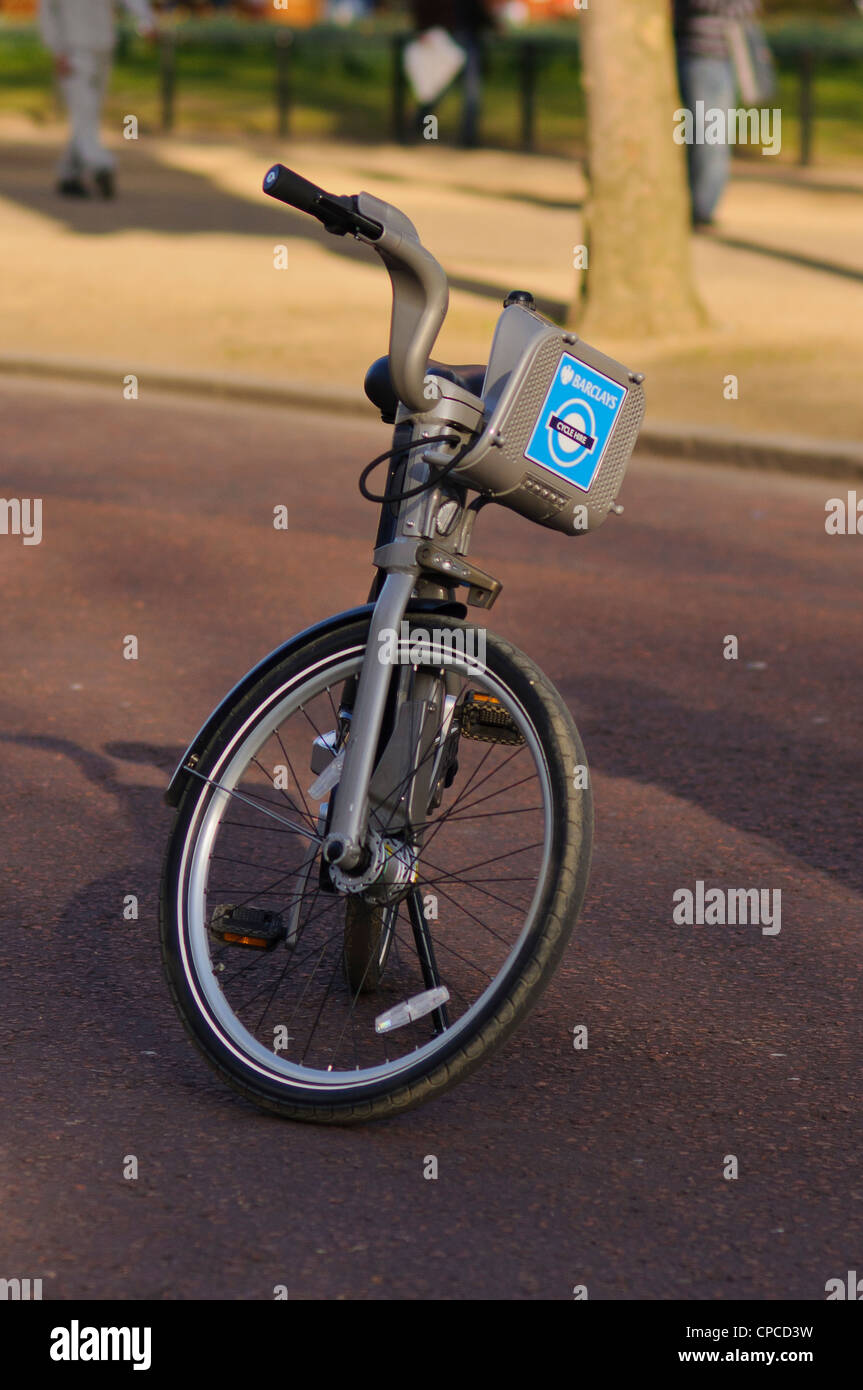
557	1167
179	272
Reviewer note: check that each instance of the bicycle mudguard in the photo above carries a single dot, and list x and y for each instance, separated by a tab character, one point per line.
177	784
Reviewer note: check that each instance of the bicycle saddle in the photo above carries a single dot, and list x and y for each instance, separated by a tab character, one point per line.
379	388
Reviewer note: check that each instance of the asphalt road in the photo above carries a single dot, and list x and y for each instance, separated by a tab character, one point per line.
557	1167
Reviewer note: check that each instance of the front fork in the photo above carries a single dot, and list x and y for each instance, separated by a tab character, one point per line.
345	843
423	546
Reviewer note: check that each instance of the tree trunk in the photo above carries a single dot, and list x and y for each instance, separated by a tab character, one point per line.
639	281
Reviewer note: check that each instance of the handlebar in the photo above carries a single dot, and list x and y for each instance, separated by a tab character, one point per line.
419	284
339	215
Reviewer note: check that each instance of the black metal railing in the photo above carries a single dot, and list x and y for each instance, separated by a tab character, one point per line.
802	49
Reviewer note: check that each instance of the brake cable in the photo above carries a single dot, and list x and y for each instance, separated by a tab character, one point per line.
430	483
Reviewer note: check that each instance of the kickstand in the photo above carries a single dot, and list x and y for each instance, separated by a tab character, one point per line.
425	951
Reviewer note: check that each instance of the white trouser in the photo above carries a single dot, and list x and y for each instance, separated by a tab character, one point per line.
83	92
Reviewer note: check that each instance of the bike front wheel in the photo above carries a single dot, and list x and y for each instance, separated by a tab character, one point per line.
265	957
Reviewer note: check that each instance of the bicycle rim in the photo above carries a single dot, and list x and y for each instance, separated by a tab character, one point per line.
484	873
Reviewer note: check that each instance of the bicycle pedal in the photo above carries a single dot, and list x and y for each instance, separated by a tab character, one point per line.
247	926
483	717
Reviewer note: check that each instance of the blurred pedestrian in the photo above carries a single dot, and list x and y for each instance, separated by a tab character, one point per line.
465	21
706	33
81	34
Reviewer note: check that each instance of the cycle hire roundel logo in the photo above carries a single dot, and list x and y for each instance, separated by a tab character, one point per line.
576	421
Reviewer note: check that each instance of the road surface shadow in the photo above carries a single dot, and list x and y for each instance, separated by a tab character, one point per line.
157	198
103	961
777	253
795	790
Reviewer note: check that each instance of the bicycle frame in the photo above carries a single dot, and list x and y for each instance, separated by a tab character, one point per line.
422	546
414	561
534	430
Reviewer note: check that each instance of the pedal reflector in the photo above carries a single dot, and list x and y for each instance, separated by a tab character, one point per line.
247	926
483	717
411	1009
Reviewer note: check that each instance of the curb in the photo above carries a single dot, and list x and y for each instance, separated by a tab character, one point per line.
776	453
219	385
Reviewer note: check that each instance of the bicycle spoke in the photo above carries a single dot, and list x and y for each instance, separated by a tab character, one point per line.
307	984
299	829
293	805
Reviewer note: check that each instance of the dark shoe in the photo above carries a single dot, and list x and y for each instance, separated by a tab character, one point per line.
104	181
73	188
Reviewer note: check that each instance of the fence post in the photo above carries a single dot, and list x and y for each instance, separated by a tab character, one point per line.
472	80
807	104
527	53
167	79
284	43
399	122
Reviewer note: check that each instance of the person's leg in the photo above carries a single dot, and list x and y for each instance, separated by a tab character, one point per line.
711	81
84	92
471	87
70	167
104	175
70	171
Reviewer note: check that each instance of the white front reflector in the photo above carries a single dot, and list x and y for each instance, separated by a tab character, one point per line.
412	1009
329	778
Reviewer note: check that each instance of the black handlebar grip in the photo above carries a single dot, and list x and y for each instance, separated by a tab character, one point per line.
339	215
292	189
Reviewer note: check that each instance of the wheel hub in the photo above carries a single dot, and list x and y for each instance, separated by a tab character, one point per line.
389	874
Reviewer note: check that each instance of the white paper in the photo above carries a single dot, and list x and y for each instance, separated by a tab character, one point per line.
431	63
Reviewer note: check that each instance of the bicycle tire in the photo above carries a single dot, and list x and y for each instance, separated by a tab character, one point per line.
533	960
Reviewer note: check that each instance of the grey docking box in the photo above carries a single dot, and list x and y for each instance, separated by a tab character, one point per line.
562	421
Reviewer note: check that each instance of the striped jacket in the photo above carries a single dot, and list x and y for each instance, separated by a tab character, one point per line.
701	26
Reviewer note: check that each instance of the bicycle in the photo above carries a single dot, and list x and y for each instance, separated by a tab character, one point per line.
384	830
